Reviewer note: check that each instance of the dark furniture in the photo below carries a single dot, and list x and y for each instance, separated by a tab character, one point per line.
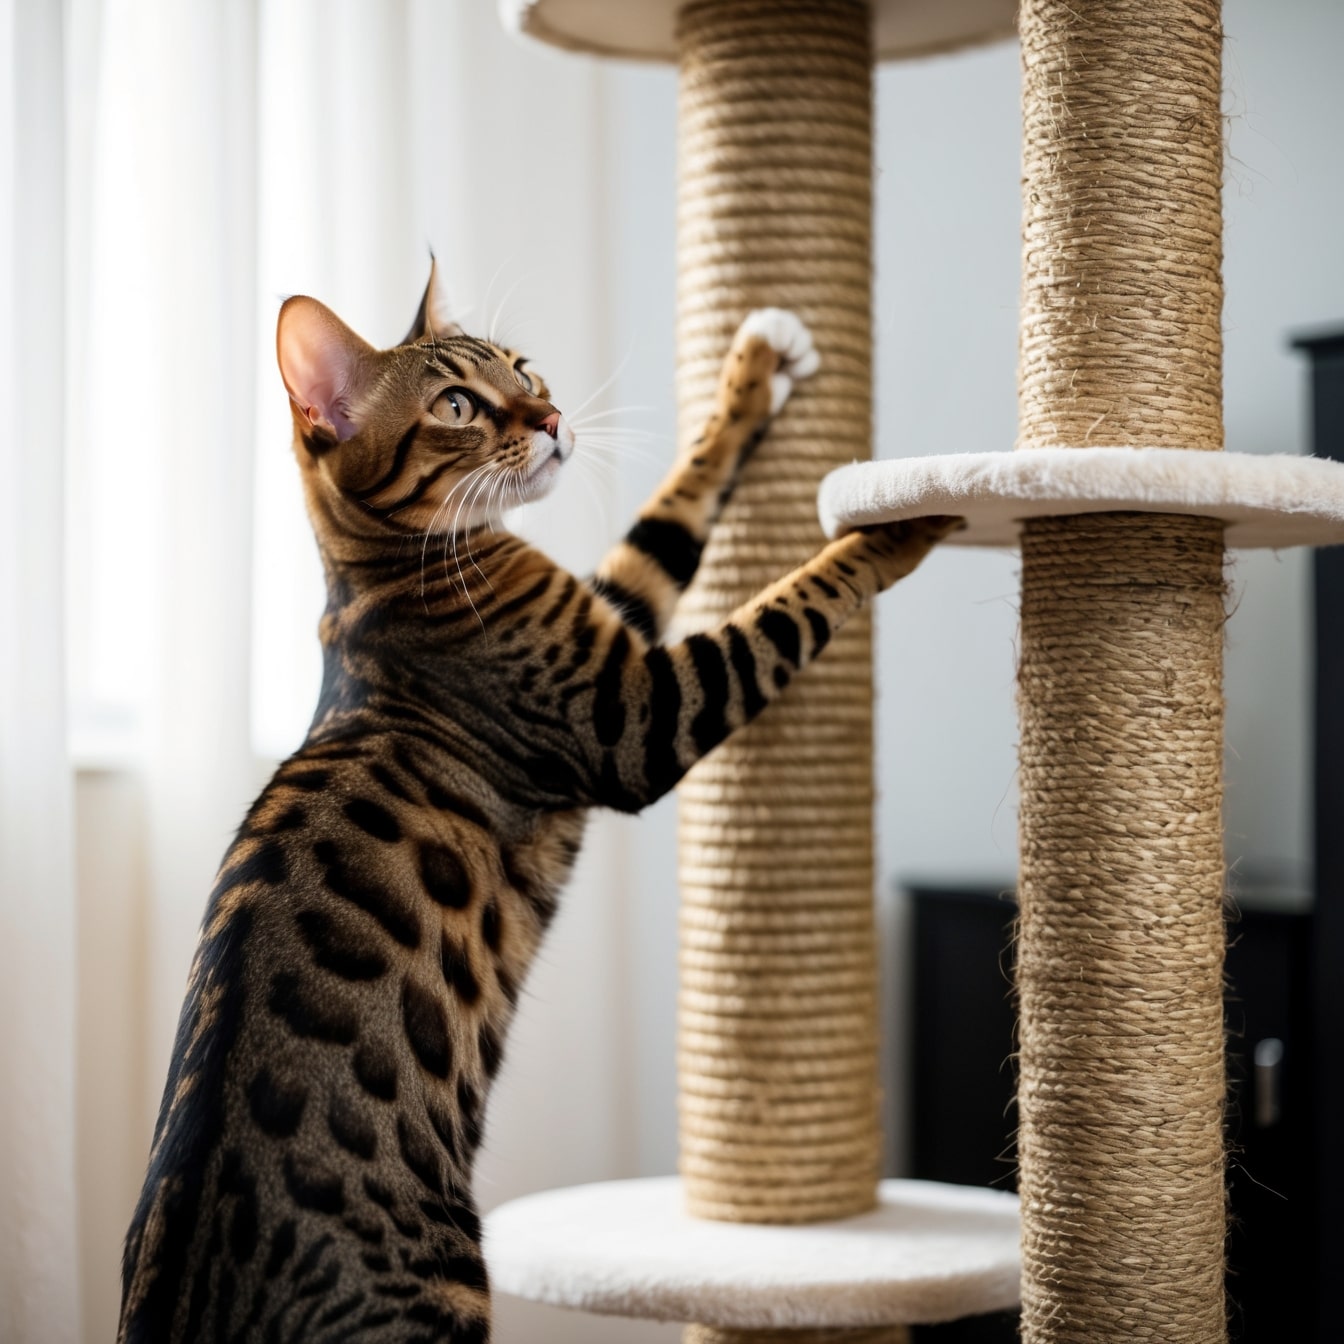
961	1096
1326	353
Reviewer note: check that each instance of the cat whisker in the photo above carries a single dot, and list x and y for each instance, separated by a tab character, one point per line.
486	483
619	454
493	328
518	332
461	578
461	485
623	451
391	512
577	422
632	431
604	467
510	488
626	431
493	507
593	396
601	432
489	289
463	316
490	524
617	438
438	513
599	496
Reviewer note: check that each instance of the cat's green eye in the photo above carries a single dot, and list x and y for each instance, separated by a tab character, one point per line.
456	406
525	379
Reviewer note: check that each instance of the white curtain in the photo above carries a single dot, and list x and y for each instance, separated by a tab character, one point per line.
161	423
172	171
37	925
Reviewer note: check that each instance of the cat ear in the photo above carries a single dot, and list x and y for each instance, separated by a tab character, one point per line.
325	365
431	321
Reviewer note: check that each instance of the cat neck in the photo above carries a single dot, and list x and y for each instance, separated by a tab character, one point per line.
434	597
393	564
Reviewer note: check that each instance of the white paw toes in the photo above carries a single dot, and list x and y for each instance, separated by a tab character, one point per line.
807	363
789	337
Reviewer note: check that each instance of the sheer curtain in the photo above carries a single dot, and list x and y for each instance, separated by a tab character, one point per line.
37	923
160	420
171	172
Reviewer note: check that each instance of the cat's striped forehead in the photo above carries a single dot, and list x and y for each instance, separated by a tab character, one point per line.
468	357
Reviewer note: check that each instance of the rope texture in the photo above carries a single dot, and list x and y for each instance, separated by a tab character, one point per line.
1120	946
1121	337
777	1017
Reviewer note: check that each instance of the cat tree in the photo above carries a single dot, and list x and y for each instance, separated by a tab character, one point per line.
1121	520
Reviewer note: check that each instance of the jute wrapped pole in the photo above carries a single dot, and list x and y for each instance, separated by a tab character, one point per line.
777	1026
1121	940
778	1094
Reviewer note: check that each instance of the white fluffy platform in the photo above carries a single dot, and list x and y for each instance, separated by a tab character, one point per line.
1273	501
928	1253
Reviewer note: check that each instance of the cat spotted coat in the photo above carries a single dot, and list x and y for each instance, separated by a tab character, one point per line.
370	926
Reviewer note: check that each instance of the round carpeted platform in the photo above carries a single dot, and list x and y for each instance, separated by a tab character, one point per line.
927	1253
1266	501
645	30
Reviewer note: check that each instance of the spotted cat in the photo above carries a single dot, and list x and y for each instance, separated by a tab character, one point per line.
366	937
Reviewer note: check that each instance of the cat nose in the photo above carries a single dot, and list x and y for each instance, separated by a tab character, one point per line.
551	424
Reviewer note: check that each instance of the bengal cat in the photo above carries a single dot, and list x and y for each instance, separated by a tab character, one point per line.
362	950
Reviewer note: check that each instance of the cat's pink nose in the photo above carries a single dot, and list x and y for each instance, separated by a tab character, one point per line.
551	424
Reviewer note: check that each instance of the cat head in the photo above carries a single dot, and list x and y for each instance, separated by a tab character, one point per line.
439	433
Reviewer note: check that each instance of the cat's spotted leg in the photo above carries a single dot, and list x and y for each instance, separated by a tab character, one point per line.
656	711
648	570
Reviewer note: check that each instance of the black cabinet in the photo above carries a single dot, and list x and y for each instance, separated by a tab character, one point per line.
962	1108
1326	352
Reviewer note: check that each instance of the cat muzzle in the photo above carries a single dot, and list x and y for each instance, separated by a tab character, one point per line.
553	439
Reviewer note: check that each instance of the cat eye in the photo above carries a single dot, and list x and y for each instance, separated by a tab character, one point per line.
525	379
456	406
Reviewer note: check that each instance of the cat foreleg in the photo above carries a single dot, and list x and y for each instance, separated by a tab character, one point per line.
656	711
649	569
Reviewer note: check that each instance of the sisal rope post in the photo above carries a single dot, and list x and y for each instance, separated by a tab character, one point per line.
1120	948
777	1029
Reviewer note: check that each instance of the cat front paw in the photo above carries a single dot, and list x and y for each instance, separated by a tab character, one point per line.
895	549
791	351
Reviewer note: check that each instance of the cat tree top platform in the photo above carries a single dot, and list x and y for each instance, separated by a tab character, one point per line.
927	1253
1266	500
645	30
